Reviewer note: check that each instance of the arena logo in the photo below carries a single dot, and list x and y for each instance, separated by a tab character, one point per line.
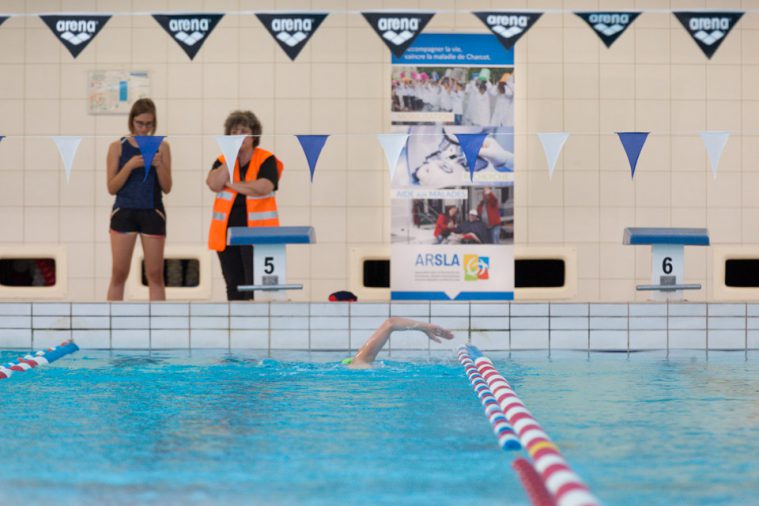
398	29
508	26
609	26
190	31
708	29
75	32
291	31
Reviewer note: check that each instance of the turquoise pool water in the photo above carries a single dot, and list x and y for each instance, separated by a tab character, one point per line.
211	428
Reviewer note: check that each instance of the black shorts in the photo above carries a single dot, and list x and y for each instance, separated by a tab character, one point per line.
141	221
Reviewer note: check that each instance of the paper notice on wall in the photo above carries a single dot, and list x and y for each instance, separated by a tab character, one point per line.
114	91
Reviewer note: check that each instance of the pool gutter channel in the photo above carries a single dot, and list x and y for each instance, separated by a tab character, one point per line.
509	327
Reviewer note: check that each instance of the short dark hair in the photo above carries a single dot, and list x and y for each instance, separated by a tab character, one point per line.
142	106
247	119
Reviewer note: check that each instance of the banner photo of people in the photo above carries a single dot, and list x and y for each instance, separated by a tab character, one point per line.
452	233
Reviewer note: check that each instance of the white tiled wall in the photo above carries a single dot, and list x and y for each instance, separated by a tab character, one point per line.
653	78
345	327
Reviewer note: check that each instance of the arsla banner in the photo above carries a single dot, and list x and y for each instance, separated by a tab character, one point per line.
609	26
292	30
190	31
75	32
708	28
508	26
398	29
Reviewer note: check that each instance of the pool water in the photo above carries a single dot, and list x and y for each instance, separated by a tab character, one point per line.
214	428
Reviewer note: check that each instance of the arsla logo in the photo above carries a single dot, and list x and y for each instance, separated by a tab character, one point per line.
189	30
292	31
476	268
76	31
609	24
507	26
709	30
398	30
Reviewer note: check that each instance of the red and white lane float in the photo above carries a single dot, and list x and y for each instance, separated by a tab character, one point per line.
565	486
507	439
42	357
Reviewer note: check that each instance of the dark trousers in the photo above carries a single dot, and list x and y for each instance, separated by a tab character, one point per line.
237	267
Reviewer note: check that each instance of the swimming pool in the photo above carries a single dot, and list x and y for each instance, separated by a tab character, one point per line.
208	427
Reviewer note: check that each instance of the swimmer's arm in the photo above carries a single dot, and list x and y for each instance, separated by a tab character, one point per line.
374	344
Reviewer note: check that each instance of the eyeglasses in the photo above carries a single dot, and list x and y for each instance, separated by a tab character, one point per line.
144	124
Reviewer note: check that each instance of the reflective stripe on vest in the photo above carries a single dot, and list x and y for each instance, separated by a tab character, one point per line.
219	216
225	195
262	216
260	197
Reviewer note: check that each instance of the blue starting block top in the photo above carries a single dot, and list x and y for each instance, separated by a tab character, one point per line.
245	236
656	235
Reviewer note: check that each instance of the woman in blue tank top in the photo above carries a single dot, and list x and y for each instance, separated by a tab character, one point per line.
138	208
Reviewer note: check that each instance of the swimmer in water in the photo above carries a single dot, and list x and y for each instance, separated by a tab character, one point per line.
374	344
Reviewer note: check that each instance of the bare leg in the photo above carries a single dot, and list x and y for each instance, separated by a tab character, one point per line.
122	247
152	247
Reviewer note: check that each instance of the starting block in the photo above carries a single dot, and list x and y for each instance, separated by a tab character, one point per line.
269	258
667	259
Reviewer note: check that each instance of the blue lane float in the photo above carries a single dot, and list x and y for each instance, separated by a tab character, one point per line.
42	357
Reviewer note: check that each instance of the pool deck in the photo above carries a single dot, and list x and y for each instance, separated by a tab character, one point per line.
345	326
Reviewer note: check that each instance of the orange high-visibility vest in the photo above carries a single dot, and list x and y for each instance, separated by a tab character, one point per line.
262	210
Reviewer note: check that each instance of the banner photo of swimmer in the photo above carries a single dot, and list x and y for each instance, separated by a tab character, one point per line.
452	230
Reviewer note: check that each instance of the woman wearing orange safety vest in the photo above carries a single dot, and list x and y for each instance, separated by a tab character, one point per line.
246	201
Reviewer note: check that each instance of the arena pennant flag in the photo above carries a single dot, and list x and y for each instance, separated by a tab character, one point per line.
552	145
67	147
312	147
230	147
291	30
609	26
75	31
3	18
190	31
708	28
508	26
392	145
633	143
148	145
715	143
398	29
470	145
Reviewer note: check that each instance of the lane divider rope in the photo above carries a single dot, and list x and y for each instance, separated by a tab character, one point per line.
566	487
507	438
42	357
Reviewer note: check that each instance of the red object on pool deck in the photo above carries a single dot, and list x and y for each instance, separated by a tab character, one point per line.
343	296
537	492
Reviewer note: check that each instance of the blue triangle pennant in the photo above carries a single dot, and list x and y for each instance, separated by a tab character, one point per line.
470	145
633	143
148	145
312	147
